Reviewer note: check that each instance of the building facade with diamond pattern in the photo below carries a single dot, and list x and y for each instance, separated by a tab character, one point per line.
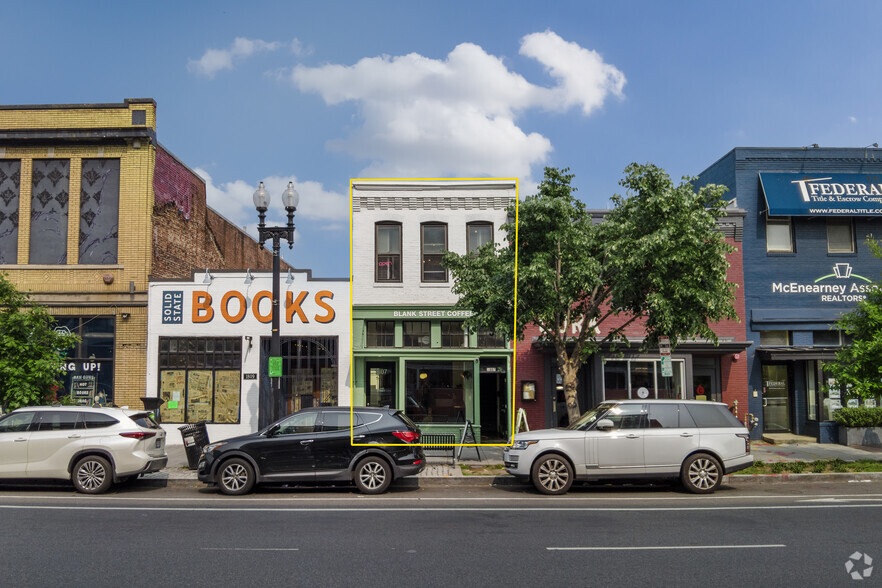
92	208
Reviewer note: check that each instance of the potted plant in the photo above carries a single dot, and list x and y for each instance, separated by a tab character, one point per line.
860	425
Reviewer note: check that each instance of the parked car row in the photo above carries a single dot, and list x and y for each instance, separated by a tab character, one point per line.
695	441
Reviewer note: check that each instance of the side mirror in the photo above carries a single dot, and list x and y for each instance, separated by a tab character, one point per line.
604	425
272	430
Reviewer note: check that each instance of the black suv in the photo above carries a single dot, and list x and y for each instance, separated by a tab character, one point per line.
313	445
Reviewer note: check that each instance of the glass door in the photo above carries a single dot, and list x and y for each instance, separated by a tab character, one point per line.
381	384
776	395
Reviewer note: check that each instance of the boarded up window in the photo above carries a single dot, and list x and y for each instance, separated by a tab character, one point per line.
50	193
10	176
99	211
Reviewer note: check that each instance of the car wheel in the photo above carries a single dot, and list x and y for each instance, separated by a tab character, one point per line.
701	473
235	476
373	475
92	475
552	474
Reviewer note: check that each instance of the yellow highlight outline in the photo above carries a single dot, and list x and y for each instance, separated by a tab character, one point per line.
351	315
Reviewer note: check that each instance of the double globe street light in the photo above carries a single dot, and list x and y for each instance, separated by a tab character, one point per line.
290	199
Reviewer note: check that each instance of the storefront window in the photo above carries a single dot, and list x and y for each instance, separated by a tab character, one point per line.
811	390
196	382
641	378
436	390
417	333
381	384
452	334
89	365
380	334
310	368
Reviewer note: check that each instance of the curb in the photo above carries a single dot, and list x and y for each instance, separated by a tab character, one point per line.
511	481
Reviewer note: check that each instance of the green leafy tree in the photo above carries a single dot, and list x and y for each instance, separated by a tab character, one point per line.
31	351
656	257
857	368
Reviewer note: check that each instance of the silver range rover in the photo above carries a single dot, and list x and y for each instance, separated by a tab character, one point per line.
693	440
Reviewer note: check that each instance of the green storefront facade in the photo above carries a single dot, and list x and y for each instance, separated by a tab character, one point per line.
420	360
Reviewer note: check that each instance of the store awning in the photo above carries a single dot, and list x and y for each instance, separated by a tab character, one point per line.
820	194
796	353
700	347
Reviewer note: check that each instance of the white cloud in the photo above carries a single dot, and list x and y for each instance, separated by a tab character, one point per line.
233	200
426	117
299	49
852	119
214	60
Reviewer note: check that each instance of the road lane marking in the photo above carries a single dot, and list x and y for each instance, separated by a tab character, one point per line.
437	508
249	548
663	547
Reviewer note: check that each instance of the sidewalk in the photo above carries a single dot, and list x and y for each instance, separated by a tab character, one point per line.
440	467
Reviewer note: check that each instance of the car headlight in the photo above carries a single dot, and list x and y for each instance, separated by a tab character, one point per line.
522	444
212	446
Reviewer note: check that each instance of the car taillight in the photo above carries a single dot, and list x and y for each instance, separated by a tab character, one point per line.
138	435
407	436
746	437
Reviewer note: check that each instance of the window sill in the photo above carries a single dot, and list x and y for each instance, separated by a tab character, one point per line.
384	285
438	285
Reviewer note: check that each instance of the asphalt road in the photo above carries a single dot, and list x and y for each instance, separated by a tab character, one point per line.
761	535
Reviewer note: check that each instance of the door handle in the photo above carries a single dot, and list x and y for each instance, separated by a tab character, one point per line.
765	403
307	442
632	436
685	434
20	440
74	436
359	437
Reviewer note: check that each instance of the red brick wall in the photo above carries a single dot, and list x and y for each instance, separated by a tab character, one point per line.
187	235
733	373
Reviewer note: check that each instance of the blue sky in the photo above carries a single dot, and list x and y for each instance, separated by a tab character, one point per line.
321	92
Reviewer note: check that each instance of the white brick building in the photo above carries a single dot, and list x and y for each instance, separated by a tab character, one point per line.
410	350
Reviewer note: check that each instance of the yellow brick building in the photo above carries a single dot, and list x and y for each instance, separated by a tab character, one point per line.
85	222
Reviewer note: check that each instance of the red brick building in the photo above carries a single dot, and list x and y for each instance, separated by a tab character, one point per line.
701	369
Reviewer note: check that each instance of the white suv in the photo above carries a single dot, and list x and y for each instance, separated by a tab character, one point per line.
695	441
91	447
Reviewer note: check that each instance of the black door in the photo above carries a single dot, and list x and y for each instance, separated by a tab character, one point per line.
333	449
289	451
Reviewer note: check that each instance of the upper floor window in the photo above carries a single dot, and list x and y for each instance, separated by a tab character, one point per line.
388	246
453	334
490	339
776	338
779	235
99	211
50	184
417	333
478	234
10	187
380	333
840	235
432	242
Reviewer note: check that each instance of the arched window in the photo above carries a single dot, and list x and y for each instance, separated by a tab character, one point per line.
387	240
433	240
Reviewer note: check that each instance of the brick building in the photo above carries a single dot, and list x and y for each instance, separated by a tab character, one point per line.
92	207
701	370
410	349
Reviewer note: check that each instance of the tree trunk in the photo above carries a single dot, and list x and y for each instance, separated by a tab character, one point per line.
569	371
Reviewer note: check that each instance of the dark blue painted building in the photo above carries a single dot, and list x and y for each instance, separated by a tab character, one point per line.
809	212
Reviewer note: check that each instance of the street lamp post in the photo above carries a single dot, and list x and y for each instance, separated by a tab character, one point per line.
290	199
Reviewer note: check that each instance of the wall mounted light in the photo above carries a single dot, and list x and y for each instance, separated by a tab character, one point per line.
248	277
248	338
125	315
290	278
208	277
